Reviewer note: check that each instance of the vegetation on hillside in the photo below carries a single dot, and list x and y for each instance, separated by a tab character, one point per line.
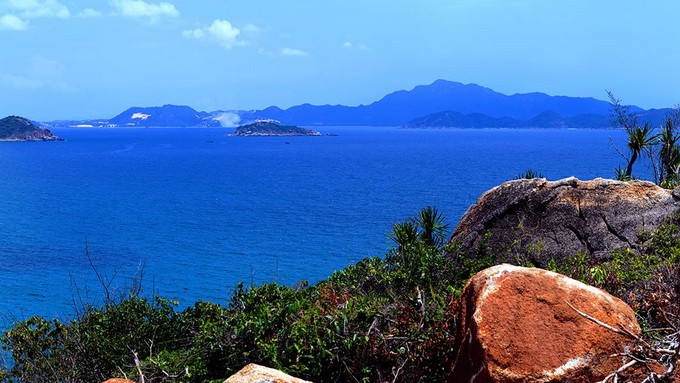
14	128
382	319
272	128
13	125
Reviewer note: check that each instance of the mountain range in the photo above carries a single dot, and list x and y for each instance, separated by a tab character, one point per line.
440	104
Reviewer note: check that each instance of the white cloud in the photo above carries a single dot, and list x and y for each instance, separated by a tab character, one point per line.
347	44
12	22
228	120
32	9
140	8
293	52
89	13
220	30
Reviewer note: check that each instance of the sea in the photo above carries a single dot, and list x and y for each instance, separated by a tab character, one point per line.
188	213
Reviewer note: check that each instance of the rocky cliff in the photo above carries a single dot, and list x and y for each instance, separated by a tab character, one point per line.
542	220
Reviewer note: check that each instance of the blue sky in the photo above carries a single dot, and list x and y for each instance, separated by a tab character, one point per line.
67	59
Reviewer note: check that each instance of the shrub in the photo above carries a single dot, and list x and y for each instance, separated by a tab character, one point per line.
382	319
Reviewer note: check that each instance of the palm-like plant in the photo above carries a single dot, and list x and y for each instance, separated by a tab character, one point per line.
638	139
404	234
669	154
432	225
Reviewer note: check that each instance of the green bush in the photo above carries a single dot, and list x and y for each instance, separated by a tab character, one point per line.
381	319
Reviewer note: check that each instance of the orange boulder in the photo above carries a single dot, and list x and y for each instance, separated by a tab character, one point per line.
516	326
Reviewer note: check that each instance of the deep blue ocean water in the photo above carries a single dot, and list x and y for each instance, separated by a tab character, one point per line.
202	211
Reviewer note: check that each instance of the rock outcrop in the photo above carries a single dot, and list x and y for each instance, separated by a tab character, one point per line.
516	326
254	373
541	220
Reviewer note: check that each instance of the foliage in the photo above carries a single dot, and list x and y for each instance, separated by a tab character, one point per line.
626	268
662	147
381	319
14	125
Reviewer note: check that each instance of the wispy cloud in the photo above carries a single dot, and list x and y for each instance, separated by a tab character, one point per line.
40	73
19	12
12	22
293	52
19	82
350	45
221	31
89	13
140	8
252	29
31	9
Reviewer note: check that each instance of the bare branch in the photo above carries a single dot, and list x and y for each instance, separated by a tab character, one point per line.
614	375
625	333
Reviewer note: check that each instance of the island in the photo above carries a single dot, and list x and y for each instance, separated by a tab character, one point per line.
271	128
15	128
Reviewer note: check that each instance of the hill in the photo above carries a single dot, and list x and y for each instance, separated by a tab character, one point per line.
548	119
399	107
483	107
166	115
14	128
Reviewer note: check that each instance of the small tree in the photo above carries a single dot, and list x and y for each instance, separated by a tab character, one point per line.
669	153
639	137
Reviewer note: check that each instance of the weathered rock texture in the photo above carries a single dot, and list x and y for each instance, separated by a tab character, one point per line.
540	220
516	327
254	373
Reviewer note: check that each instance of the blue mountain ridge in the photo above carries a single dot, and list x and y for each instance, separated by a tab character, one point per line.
467	105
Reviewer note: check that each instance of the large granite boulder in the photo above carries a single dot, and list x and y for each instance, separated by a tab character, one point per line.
539	219
516	325
254	373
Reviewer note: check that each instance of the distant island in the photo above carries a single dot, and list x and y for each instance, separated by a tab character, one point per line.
15	128
271	128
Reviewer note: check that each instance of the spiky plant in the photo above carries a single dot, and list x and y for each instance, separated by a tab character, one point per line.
638	139
433	227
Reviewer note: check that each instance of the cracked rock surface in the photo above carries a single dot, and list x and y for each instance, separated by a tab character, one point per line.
537	219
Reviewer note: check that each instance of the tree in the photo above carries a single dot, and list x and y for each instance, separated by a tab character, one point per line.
669	153
639	137
404	234
433	228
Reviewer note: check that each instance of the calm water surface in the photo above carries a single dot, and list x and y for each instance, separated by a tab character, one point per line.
201	211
